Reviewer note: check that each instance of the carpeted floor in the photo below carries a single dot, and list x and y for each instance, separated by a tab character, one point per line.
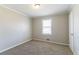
38	48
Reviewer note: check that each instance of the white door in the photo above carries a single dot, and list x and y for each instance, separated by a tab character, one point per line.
76	29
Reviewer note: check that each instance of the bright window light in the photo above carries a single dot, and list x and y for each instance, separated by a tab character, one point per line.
46	26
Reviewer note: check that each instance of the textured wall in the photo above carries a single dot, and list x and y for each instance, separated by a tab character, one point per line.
59	29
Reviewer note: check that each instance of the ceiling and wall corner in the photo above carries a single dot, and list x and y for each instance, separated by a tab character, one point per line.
13	10
43	10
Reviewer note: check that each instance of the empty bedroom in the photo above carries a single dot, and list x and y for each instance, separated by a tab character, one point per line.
39	29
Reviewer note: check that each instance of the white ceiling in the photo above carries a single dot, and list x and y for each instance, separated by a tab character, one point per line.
43	10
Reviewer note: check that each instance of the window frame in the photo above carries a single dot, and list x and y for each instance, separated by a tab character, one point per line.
49	26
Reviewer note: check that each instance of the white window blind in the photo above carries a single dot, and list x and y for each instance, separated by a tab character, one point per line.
46	26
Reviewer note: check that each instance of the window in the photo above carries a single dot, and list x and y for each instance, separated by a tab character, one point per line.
46	26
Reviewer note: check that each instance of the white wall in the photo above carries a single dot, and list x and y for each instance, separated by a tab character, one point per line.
59	29
14	28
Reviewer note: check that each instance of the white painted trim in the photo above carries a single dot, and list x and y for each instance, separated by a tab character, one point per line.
71	50
14	46
18	12
53	42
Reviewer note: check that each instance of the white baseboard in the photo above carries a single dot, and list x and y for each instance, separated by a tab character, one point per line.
53	42
15	45
71	49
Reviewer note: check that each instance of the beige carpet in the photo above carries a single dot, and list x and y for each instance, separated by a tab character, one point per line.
38	48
